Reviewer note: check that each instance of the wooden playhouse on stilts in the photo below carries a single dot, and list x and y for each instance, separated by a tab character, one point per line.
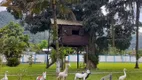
71	34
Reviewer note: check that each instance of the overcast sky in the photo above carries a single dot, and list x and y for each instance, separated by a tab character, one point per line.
2	8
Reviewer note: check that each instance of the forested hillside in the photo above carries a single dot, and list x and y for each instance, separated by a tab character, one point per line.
6	17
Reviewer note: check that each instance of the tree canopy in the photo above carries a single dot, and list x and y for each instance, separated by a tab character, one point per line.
121	17
13	42
37	13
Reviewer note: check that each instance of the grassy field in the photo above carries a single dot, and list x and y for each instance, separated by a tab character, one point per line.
25	72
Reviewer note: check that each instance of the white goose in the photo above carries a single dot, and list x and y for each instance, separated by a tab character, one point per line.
5	76
123	76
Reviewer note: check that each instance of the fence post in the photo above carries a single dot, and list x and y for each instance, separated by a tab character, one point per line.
68	57
105	58
114	58
110	76
35	58
23	59
130	58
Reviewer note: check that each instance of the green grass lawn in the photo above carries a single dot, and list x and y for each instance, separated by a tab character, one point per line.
103	69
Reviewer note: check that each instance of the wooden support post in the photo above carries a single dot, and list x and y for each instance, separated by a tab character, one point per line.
110	76
77	58
87	60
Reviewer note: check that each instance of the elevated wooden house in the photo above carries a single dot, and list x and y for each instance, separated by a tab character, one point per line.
71	33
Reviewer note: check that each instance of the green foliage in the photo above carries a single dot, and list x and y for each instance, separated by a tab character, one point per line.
53	55
30	60
98	25
38	13
102	44
13	61
34	47
37	47
94	59
64	51
38	23
123	44
13	42
22	73
35	10
0	62
112	50
123	24
140	52
43	44
95	22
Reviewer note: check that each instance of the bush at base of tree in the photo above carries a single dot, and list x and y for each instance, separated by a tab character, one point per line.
13	61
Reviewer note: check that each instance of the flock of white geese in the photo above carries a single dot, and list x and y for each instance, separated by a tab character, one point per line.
120	78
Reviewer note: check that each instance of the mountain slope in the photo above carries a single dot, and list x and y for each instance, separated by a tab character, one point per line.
5	18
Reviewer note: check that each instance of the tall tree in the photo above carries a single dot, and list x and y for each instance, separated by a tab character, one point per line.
138	3
94	23
121	17
127	7
32	8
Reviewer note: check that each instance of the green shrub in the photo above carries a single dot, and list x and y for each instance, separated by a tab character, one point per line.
30	60
13	61
0	60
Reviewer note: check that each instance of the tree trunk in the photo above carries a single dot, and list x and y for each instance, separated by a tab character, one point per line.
113	35
47	63
92	58
56	38
63	64
137	32
77	58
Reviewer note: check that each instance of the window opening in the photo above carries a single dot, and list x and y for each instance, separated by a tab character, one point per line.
75	32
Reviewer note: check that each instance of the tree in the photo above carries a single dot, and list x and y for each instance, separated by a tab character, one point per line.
43	44
37	13
116	26
125	10
121	17
13	43
31	12
34	47
64	51
94	23
31	8
138	5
